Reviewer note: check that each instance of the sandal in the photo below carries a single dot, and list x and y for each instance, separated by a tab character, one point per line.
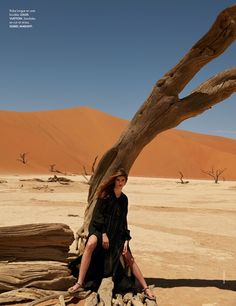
151	296
76	288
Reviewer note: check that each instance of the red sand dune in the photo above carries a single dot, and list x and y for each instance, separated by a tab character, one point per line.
71	138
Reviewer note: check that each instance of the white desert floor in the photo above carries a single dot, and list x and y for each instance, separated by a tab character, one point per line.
183	236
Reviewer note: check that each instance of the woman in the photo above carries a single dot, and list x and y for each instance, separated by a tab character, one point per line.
107	250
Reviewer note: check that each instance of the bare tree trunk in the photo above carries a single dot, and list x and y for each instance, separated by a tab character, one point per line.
164	110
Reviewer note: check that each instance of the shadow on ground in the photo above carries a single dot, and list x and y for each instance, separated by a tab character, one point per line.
170	283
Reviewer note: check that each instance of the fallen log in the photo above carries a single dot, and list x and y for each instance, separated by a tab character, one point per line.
24	296
48	275
42	241
34	297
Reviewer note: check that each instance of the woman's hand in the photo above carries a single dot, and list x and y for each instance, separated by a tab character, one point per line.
105	241
125	248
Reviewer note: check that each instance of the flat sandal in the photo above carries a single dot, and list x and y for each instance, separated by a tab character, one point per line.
78	289
152	298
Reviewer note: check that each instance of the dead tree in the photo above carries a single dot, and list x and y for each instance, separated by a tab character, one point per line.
181	179
52	169
94	163
164	110
85	174
215	173
23	157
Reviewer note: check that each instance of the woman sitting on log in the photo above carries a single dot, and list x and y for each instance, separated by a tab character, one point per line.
107	251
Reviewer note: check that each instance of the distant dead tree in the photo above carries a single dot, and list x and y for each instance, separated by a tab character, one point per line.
85	173
52	169
215	173
94	163
181	179
23	157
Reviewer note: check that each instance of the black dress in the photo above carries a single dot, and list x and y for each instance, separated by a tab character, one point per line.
110	217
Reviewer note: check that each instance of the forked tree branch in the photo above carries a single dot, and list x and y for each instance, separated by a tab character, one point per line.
163	109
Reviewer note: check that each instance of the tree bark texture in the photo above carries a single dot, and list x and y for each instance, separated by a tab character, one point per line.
39	252
46	241
45	275
163	109
34	297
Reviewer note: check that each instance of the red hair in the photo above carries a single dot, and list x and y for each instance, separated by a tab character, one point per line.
108	186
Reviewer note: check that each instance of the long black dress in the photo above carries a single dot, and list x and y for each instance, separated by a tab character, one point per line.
110	217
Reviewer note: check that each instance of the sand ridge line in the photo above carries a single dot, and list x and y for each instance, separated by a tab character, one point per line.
221	242
180	209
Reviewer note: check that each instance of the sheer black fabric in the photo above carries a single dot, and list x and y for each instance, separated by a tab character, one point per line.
110	217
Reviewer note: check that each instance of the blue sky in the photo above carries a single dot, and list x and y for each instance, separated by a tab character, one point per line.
107	55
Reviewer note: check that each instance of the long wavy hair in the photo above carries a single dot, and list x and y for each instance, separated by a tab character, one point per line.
108	186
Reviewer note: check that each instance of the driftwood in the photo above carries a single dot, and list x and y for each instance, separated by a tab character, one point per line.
59	179
24	295
103	298
28	281
35	242
105	291
118	300
92	300
53	179
42	275
34	297
58	298
32	180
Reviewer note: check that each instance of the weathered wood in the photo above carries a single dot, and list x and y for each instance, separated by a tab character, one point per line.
136	302
34	297
25	295
61	300
43	275
163	109
59	179
91	300
118	300
105	291
139	297
45	241
128	297
53	300
150	302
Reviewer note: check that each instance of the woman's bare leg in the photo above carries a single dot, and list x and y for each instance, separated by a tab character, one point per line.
86	258
137	273
85	261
